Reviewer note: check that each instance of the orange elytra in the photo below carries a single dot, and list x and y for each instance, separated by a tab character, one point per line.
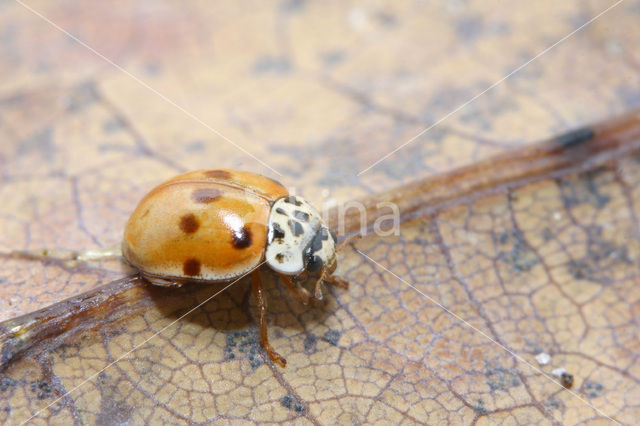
211	226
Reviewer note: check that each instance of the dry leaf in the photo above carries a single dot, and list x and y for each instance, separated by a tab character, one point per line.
537	248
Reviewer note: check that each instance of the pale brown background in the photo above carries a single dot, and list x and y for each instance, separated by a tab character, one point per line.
318	91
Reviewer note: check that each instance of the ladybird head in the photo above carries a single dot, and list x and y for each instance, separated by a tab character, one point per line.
298	239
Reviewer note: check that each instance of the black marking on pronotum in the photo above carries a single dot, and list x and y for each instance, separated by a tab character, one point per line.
278	232
316	243
575	137
280	257
280	211
325	233
314	263
334	236
301	215
292	200
296	227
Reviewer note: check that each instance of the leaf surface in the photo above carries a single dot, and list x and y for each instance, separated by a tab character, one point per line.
531	250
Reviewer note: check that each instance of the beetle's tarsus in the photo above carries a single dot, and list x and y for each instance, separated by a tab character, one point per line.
261	301
300	293
339	282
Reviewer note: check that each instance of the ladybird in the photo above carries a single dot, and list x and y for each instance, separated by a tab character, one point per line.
211	226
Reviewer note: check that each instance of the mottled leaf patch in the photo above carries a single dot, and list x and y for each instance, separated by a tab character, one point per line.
289	401
500	378
520	256
593	389
244	344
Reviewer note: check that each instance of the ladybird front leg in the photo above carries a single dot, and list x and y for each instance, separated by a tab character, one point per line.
300	293
333	280
261	301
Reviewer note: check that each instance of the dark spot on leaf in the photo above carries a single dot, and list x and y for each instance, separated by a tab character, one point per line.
241	238
189	223
287	401
272	65
243	344
310	343
6	383
218	174
332	336
575	137
206	195
479	407
501	379
293	5
191	267
296	227
333	58
386	19
593	389
521	257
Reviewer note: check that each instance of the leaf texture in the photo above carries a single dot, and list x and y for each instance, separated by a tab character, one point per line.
530	247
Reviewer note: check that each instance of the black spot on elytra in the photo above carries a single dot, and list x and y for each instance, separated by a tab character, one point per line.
189	223
191	267
278	232
218	174
296	227
241	238
206	195
304	217
292	200
575	137
281	211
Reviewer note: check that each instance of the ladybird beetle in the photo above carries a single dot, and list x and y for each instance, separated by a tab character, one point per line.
211	226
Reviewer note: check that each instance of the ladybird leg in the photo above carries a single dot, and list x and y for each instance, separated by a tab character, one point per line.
161	281
300	293
261	301
339	282
318	290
